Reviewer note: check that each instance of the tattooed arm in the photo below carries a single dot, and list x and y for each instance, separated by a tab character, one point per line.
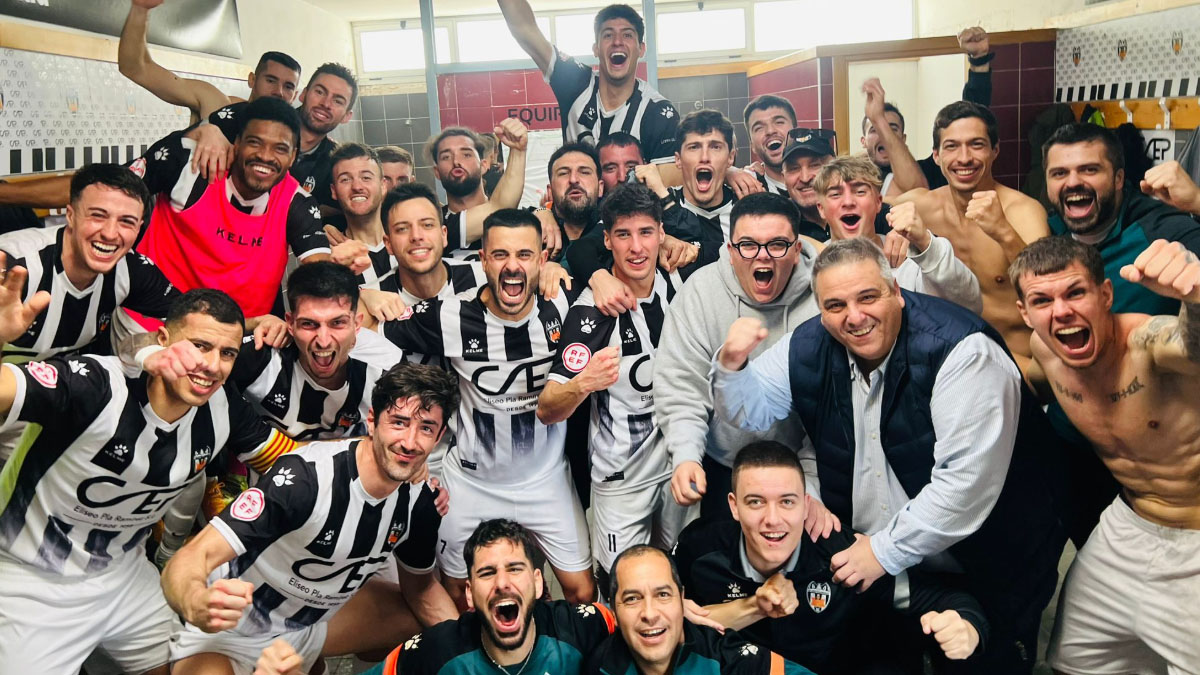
1174	272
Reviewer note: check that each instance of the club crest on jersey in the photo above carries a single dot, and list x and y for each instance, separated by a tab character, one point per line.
576	357
248	506
200	459
349	419
553	330
395	533
818	595
310	184
44	373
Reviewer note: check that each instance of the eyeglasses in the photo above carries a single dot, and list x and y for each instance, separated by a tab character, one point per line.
776	248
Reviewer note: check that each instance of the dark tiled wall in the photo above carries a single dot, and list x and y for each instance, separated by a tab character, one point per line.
1022	87
725	93
398	119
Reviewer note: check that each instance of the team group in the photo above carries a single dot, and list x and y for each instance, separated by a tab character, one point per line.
266	400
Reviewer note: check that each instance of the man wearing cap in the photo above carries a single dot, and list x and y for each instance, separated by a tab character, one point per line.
806	151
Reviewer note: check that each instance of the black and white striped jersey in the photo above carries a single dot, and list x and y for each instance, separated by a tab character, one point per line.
502	367
78	317
275	382
462	276
771	185
625	444
457	246
697	224
308	536
97	467
646	114
382	264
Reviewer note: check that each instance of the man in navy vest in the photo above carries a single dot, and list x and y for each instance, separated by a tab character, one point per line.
925	438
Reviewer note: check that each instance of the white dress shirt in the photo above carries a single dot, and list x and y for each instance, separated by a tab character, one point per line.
975	407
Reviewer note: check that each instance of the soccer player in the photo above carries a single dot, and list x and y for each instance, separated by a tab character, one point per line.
654	638
704	155
1085	183
358	189
398	166
769	118
574	174
1128	383
849	190
103	458
501	341
620	155
326	102
456	153
883	124
510	629
611	360
415	237
233	234
318	387
595	104
987	223
87	265
285	557
276	74
758	576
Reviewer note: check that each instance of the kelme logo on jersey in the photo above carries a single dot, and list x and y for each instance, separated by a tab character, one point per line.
735	592
818	595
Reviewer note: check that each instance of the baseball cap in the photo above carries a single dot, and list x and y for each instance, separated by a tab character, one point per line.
818	142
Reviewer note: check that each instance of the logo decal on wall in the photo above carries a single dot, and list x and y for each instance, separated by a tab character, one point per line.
1177	41
1076	55
1122	49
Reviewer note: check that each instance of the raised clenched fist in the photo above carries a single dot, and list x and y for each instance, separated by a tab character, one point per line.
744	335
1167	268
906	221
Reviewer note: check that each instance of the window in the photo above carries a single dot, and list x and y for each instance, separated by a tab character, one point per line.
400	49
722	30
489	40
791	25
574	33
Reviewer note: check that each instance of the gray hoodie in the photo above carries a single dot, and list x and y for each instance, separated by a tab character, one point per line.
693	331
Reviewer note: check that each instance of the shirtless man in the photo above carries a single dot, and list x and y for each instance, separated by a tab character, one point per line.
987	223
1129	383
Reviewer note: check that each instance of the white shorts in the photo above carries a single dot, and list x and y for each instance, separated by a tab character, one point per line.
243	650
550	510
1131	600
647	516
51	623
